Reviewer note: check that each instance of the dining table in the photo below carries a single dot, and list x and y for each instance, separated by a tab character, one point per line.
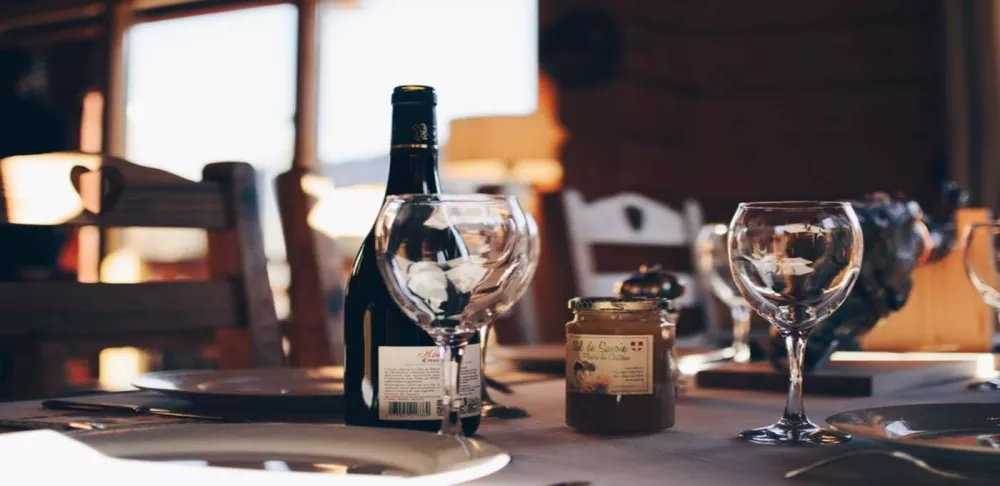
700	450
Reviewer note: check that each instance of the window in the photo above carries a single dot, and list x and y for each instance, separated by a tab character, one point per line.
481	55
212	88
222	87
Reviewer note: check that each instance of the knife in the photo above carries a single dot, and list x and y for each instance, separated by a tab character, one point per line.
57	404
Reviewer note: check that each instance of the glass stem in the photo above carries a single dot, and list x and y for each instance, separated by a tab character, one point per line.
452	348
795	411
484	339
741	332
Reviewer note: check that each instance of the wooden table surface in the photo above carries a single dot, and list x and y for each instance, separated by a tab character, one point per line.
700	450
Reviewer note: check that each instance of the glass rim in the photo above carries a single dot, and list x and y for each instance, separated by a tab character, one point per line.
471	198
795	205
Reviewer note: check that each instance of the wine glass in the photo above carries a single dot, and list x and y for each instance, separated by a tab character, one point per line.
712	249
446	259
982	272
795	262
516	286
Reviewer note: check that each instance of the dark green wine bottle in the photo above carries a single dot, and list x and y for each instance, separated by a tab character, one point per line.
392	376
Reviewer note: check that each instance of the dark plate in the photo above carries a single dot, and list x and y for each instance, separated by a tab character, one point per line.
317	389
943	431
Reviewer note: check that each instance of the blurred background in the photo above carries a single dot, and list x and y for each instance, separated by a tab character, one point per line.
711	101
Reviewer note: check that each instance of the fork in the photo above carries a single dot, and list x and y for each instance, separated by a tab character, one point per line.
920	463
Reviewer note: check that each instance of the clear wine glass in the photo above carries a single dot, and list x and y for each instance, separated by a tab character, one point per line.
795	262
982	271
712	249
528	255
445	260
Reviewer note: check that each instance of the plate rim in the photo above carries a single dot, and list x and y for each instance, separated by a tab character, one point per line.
493	460
916	444
139	383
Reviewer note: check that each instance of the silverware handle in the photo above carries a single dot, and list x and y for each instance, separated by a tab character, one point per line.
919	463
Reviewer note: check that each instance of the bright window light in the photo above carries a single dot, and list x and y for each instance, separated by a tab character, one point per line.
480	55
221	87
211	88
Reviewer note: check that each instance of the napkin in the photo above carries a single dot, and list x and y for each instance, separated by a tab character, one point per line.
48	458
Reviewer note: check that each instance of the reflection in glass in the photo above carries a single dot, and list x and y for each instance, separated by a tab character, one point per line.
713	266
981	269
795	263
445	260
529	252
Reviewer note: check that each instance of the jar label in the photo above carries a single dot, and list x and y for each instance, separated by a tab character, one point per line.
410	380
609	365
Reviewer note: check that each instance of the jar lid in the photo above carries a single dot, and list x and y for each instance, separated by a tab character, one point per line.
650	281
619	304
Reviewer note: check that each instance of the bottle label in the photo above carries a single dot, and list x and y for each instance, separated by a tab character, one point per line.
410	383
414	126
609	365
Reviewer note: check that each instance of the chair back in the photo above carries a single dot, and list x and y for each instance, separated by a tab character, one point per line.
628	219
112	192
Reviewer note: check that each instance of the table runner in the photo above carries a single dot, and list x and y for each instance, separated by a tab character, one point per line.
699	451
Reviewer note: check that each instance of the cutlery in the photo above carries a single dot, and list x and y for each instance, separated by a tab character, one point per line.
57	404
919	463
498	386
43	425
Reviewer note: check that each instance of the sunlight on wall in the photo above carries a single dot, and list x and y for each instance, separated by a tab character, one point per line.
119	366
122	266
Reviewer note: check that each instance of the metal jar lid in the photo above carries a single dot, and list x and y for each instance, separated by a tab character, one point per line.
620	304
650	281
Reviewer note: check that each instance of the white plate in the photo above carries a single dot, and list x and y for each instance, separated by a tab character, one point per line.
967	428
321	388
311	448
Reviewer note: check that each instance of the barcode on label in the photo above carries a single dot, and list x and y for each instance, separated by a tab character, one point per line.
410	409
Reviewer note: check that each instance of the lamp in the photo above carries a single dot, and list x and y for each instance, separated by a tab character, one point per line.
38	189
506	150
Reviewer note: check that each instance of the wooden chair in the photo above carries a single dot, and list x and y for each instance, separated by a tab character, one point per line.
627	219
42	322
315	327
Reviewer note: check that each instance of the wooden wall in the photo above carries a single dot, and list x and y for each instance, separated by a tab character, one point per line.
729	100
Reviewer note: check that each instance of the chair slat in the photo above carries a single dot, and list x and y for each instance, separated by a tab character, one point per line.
76	308
198	205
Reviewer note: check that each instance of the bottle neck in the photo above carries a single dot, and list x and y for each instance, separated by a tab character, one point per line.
413	171
413	153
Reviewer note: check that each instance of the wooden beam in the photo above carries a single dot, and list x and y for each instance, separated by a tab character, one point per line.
40	13
307	90
118	19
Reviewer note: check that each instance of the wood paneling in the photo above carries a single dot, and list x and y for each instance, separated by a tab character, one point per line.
723	101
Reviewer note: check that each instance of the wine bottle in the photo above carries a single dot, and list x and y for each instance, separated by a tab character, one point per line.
392	374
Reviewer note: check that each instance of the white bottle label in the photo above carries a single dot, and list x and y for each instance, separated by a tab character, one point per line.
609	365
410	383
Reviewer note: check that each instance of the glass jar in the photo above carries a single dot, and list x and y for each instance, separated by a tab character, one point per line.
619	362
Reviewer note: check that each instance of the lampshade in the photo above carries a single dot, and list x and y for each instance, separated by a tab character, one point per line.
506	149
38	189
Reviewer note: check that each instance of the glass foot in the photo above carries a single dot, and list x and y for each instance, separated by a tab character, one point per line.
794	433
493	410
988	385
